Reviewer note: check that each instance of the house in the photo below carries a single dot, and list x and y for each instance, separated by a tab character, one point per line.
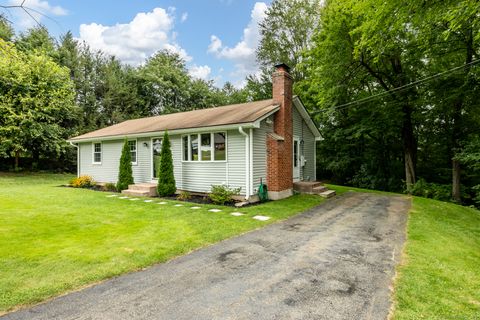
235	145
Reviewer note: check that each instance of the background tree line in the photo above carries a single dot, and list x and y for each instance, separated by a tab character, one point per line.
393	87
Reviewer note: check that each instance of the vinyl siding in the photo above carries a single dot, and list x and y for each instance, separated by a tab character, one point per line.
107	171
260	153
301	130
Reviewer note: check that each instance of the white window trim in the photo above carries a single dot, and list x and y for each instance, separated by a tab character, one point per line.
212	147
93	153
134	163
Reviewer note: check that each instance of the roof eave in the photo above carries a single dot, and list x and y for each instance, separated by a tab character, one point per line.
231	126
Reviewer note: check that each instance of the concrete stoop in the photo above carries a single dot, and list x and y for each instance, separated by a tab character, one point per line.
313	187
141	190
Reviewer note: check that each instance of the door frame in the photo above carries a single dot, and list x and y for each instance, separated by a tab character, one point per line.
153	179
296	170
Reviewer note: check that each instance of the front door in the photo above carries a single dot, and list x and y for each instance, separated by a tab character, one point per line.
296	159
156	148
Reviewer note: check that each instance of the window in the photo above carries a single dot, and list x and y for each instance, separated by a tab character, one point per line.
295	153
205	147
133	150
220	151
97	153
194	147
185	148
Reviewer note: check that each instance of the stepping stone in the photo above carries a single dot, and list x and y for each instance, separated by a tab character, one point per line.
261	218
214	210
178	205
124	198
163	202
147	200
195	207
112	195
237	214
134	199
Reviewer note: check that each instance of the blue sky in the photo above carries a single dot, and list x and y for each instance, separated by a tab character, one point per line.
217	38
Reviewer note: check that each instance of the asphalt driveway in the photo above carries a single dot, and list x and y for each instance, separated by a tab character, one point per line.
335	261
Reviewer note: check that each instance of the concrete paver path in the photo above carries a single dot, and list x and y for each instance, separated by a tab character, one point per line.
335	261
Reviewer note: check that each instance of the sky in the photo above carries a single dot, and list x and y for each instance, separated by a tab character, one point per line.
217	38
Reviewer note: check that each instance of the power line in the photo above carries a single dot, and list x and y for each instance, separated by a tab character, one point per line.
404	87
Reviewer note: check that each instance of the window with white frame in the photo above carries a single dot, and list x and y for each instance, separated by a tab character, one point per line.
97	152
205	147
132	144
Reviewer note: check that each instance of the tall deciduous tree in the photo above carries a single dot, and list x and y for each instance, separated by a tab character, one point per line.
37	108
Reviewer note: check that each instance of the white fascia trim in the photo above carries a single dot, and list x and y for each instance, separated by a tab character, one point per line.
303	112
257	123
246	125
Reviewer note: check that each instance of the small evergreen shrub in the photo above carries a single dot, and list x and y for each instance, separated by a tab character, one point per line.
222	194
82	182
110	187
125	175
184	195
166	181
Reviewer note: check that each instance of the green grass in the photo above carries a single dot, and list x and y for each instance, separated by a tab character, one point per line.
55	239
439	277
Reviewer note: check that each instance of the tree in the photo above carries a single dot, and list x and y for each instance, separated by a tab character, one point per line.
37	110
166	180
365	48
125	175
165	83
6	30
285	33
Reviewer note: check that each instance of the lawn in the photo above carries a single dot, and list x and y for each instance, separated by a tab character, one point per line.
439	277
55	239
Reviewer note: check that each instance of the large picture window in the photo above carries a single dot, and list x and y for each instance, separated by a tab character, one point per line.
97	153
205	147
133	150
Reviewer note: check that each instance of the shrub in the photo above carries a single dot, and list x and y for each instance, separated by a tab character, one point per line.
125	175
184	195
166	180
431	190
223	194
82	182
110	187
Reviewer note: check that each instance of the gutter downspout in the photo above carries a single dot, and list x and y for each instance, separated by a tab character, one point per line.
78	157
250	154
247	160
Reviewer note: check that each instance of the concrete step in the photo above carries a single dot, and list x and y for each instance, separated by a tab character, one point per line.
306	186
320	189
328	194
145	187
136	193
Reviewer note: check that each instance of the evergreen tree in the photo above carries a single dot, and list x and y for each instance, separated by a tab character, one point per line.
166	180
125	175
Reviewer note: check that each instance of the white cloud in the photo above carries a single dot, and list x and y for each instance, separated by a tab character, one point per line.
200	72
243	53
137	40
38	9
184	17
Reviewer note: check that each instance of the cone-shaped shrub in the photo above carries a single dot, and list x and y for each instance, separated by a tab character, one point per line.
166	180
125	175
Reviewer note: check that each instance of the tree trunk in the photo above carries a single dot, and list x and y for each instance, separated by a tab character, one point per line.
409	148
17	156
456	195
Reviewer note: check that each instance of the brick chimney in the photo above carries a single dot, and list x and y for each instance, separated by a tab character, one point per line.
280	144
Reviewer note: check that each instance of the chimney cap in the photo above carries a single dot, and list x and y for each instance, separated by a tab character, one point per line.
281	65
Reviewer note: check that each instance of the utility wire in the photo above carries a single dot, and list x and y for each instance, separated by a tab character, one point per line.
401	88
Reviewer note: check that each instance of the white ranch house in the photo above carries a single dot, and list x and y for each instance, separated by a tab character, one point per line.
236	145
